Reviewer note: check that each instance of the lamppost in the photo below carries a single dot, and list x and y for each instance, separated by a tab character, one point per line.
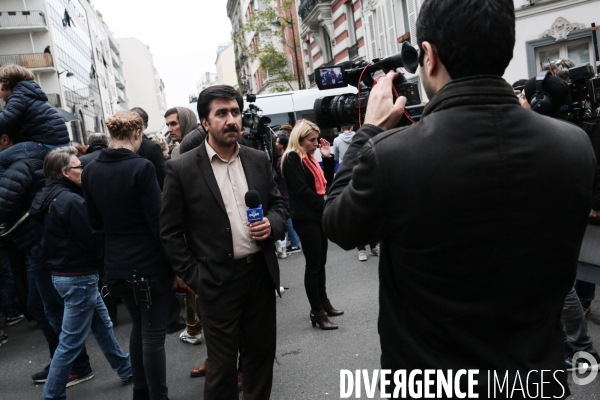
291	23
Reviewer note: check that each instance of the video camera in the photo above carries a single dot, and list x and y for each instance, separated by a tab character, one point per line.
350	109
258	125
584	94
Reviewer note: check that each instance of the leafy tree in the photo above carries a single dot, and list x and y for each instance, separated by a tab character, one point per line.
264	47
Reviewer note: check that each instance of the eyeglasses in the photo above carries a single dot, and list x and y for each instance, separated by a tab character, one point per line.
80	166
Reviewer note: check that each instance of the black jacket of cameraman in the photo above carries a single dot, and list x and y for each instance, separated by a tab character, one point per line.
480	209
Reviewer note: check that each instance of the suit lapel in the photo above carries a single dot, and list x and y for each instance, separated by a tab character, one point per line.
209	176
249	167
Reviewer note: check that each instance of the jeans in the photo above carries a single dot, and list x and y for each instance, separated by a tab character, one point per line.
8	297
21	151
314	246
363	248
575	326
289	227
586	292
47	308
84	311
148	332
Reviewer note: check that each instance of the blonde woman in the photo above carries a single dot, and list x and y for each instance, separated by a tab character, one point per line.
123	198
307	183
160	139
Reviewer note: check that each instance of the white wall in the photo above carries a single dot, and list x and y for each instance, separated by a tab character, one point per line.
138	70
226	67
530	27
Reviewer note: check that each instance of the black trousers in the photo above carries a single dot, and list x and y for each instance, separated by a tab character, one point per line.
245	310
148	332
314	247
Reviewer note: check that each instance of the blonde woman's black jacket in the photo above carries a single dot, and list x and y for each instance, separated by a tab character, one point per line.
480	208
305	203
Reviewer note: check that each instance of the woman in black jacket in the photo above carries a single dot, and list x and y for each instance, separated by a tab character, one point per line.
306	185
123	200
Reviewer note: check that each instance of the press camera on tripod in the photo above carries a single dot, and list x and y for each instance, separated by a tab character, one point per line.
258	125
350	109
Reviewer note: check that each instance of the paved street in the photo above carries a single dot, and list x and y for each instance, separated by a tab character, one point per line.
308	359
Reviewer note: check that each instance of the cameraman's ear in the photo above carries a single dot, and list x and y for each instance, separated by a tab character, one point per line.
431	60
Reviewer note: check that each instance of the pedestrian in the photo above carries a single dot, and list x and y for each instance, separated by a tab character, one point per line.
123	200
96	142
232	265
475	278
150	150
180	121
306	183
281	143
72	252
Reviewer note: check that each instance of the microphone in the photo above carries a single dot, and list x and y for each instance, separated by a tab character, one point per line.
254	211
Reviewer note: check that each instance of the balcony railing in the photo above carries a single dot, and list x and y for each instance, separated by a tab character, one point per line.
10	19
54	100
353	51
116	60
306	6
33	60
121	95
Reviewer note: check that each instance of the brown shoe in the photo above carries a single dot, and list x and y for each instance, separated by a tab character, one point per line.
332	312
193	329
240	381
321	319
200	371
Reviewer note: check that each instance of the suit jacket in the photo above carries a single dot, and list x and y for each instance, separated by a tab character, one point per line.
480	208
195	228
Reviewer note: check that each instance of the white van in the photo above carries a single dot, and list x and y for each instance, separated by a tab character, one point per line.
289	107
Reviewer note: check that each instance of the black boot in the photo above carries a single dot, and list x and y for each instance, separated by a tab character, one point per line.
321	319
141	394
332	312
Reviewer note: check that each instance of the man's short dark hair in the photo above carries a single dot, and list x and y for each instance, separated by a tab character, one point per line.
472	37
283	139
139	111
217	92
520	83
97	139
171	111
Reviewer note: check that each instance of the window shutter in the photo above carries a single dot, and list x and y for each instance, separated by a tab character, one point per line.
372	39
380	12
392	37
412	20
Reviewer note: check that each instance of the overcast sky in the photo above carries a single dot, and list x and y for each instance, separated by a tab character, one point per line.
183	36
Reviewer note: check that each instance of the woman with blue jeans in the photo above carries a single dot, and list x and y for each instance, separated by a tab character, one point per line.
71	250
123	200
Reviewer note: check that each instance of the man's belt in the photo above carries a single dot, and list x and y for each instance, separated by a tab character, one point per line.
252	258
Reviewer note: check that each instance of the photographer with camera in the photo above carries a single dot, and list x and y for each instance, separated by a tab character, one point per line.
466	243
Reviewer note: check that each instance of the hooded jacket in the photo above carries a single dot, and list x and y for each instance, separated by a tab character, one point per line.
18	187
341	144
37	121
69	245
187	123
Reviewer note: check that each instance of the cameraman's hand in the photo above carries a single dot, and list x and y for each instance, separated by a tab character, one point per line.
381	109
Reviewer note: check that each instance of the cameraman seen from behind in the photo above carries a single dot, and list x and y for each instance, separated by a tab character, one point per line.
466	243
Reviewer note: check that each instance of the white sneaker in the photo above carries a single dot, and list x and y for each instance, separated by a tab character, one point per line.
281	254
191	339
375	251
362	255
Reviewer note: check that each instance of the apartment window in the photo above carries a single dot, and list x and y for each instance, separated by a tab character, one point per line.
578	51
327	52
351	23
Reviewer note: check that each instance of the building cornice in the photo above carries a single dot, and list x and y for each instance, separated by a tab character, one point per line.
545	8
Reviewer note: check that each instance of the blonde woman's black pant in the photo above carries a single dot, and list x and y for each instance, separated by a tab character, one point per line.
314	247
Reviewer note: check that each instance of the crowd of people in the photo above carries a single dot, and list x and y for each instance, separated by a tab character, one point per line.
482	276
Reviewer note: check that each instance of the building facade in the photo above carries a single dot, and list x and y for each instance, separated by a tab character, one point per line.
145	88
548	30
64	44
251	77
225	65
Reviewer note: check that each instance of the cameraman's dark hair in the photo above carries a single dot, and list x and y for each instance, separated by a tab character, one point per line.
472	37
139	111
217	92
283	139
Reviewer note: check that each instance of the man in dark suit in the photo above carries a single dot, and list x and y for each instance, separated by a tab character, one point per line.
480	207
229	262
